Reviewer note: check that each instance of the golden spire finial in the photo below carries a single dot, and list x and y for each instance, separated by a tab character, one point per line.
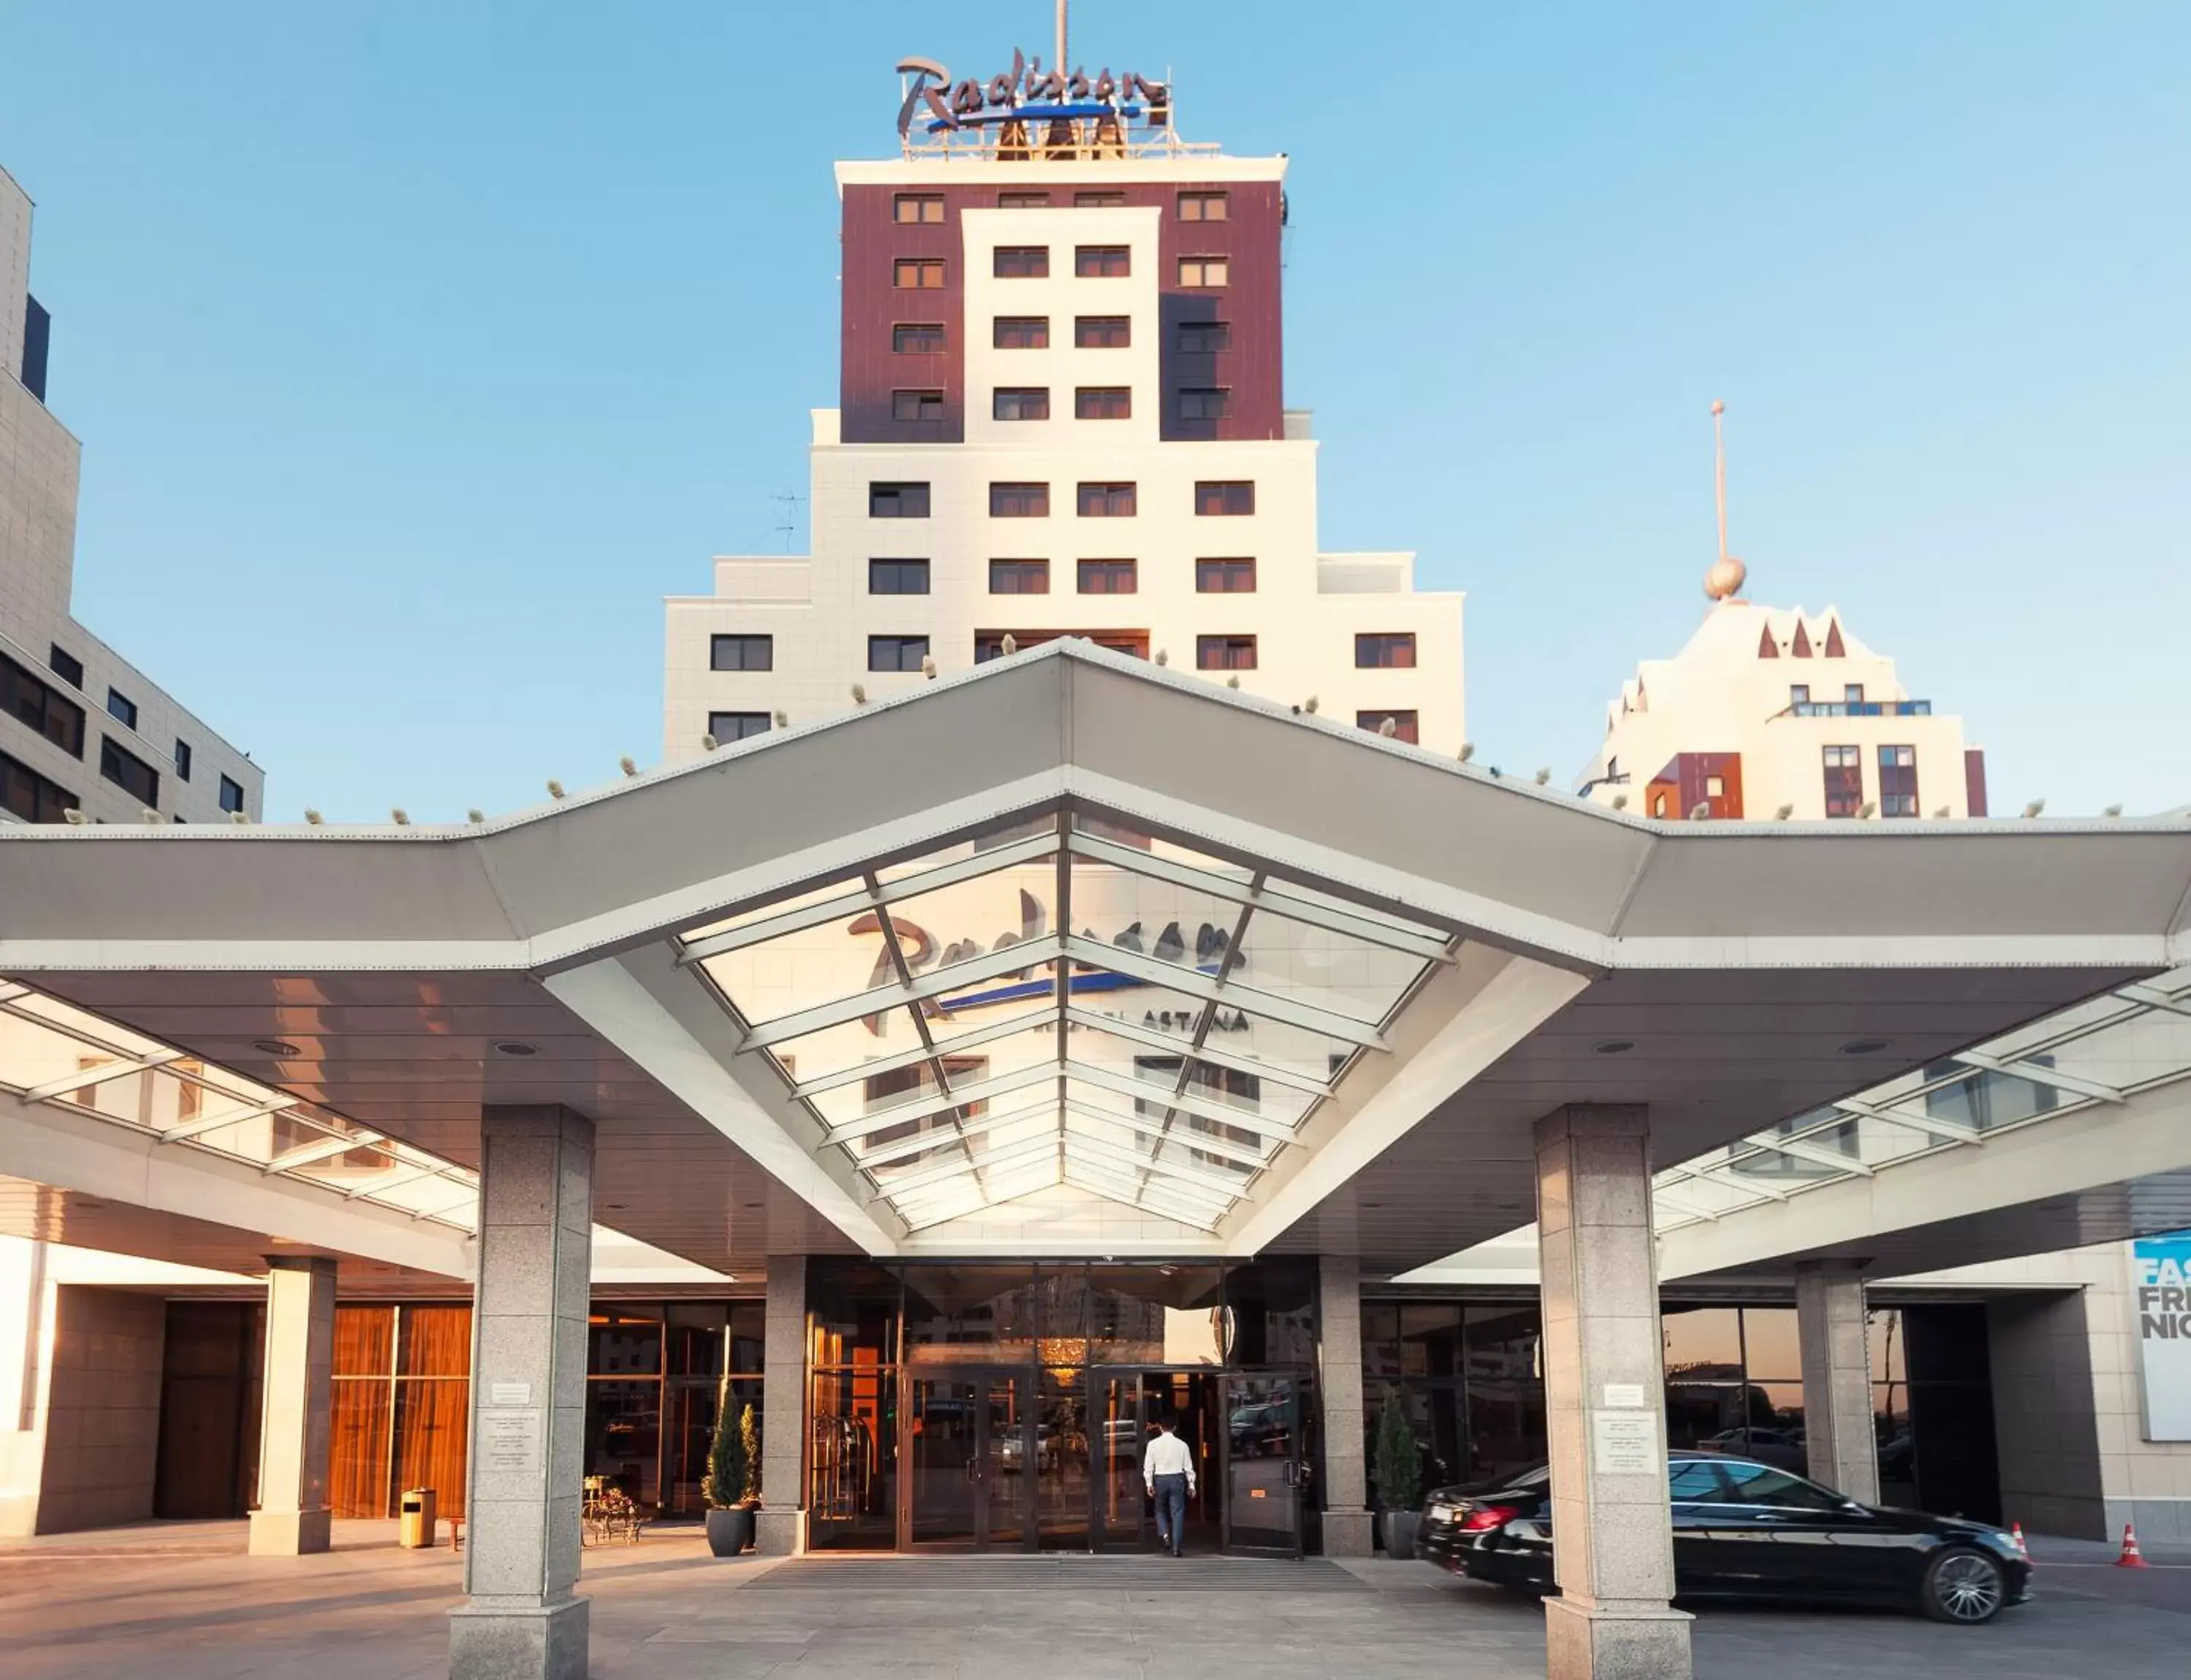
1728	573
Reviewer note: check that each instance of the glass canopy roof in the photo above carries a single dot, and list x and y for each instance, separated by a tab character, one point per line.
2105	1050
1063	1003
51	1052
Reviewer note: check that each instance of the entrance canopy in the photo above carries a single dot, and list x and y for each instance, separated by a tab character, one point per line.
1071	955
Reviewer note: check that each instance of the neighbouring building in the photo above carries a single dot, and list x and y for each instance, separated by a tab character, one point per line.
1062	413
81	727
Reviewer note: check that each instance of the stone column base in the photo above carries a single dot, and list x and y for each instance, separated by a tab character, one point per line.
1600	1644
779	1534
546	1642
289	1533
1349	1534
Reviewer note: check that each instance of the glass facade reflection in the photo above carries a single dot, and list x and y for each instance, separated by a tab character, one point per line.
986	1405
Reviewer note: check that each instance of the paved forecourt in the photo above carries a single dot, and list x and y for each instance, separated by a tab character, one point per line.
185	1601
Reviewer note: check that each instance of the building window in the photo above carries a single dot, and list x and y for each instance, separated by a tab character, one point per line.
1225	577
1022	201
1715	786
1021	402
1853	694
910	207
917	338
1102	331
1103	402
1109	577
66	666
727	726
1020	331
916	405
1099	201
1225	496
1019	577
741	653
1102	262
1385	651
1200	273
1799	694
128	773
1844	768
1106	501
26	793
1225	652
232	793
1205	405
120	706
1021	262
1019	501
1897	781
31	701
1403	724
1204	337
1657	805
897	576
917	274
182	760
896	501
1203	207
896	652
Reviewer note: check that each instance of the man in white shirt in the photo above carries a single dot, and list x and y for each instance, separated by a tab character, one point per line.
1168	1472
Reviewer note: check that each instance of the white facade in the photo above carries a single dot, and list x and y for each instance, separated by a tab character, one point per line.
1304	611
38	471
1778	714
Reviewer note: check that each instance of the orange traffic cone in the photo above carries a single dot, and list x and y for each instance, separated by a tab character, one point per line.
2016	1534
2131	1558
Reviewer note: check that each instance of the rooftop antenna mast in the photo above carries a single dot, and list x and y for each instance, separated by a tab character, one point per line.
1058	63
791	500
1725	577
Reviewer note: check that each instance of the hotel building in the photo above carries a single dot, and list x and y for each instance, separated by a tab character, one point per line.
80	728
1062	413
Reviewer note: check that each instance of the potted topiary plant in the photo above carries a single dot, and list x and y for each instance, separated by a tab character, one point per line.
1399	1475
728	1486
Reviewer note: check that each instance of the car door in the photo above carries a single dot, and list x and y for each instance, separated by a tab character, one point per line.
1785	1536
1695	1493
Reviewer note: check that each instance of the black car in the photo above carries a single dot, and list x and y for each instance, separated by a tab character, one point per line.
1744	1529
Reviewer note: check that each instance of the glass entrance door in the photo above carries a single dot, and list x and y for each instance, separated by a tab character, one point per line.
1263	1464
1119	1428
972	1455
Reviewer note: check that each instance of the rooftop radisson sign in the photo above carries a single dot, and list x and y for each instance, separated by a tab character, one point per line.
1029	94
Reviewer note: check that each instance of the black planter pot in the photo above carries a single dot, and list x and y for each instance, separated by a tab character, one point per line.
1400	1528
730	1532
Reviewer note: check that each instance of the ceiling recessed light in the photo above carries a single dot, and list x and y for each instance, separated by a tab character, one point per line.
276	1047
513	1047
1864	1047
1613	1047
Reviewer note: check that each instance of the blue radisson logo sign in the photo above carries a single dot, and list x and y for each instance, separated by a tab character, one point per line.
1029	94
924	951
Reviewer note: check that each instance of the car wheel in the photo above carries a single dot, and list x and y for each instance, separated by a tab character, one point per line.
1963	1585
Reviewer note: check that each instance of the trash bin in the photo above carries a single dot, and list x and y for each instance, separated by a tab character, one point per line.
416	1528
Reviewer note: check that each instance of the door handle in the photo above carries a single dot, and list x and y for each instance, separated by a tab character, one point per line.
1293	1473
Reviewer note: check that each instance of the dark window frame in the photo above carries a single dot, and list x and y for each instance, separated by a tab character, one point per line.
901	331
1102	262
728	726
901	571
66	666
1201	267
1100	198
1094	332
1019	498
1019	262
922	203
1022	571
1094	498
1103	402
1023	399
1019	331
1215	498
1013	199
232	793
1225	577
32	795
40	707
120	708
1386	641
182	760
890	498
921	269
1219	334
744	642
926	403
1194	205
902	648
118	764
1205	403
1110	571
1222	653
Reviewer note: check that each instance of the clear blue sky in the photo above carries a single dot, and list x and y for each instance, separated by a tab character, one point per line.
419	350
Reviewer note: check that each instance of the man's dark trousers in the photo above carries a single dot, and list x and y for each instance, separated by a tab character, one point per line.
1171	1513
